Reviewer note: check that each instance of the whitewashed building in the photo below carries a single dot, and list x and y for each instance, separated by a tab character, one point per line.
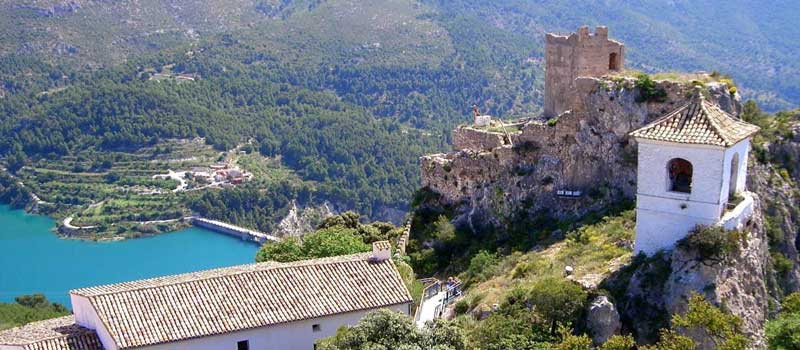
692	170
255	306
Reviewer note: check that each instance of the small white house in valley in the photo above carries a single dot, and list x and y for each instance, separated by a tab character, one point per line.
692	170
255	306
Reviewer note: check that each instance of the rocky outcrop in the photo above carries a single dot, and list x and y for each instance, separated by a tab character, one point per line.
302	220
602	320
492	177
738	282
655	288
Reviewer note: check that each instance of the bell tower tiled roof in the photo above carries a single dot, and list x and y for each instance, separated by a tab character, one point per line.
697	122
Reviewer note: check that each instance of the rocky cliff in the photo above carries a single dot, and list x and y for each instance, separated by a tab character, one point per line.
655	288
498	175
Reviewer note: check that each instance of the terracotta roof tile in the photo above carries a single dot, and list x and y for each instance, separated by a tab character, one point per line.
54	334
191	305
698	122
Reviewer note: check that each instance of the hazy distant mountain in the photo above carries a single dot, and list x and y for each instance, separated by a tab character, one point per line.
756	44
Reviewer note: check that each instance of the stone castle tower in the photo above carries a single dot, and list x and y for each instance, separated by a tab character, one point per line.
580	54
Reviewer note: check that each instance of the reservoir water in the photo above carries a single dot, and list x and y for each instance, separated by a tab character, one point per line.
34	260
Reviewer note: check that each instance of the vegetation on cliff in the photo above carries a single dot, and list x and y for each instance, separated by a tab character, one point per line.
783	332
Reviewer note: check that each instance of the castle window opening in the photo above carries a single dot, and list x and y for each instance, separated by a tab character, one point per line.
679	171
612	61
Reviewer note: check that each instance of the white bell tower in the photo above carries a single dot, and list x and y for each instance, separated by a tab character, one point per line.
692	169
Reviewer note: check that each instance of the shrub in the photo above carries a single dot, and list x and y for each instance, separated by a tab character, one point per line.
461	307
386	329
648	92
570	341
557	300
552	121
326	242
791	304
482	266
619	342
724	329
711	242
780	263
783	333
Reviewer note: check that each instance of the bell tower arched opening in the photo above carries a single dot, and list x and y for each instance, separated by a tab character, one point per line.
734	175
680	171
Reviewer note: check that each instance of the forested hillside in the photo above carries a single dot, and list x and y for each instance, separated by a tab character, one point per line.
347	94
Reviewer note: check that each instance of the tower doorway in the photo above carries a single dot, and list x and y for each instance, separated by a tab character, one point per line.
613	64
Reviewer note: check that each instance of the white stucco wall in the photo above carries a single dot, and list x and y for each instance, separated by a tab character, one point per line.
86	316
663	217
297	335
743	150
707	166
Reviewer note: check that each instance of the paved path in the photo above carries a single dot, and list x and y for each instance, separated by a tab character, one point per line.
427	311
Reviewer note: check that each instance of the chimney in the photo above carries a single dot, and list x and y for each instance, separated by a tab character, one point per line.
381	251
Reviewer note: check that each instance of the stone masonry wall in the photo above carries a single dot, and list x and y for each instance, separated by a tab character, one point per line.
587	149
580	54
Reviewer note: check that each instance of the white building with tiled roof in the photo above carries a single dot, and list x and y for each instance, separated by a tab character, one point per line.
255	306
692	162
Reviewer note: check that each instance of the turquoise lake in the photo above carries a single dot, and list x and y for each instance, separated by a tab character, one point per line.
34	260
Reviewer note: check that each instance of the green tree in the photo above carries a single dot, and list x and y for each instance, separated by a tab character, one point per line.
333	241
320	244
286	250
723	328
481	267
559	301
29	308
504	330
386	329
445	230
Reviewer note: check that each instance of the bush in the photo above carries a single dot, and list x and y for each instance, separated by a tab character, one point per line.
386	329
619	342
570	341
322	243
783	333
557	300
723	328
791	304
781	263
461	307
503	331
482	266
648	92
711	242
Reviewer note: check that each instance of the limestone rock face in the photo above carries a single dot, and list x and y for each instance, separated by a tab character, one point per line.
602	319
493	177
738	282
779	202
300	221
